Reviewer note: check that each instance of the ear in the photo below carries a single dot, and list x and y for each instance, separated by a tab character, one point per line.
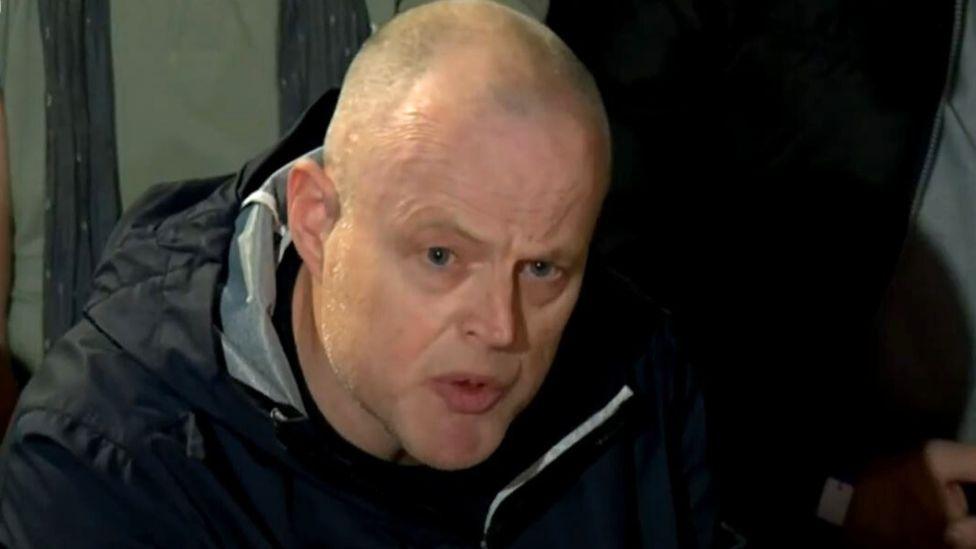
313	210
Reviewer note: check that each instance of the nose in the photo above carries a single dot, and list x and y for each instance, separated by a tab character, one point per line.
493	316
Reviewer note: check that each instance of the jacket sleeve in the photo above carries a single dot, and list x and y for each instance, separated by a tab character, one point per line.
64	485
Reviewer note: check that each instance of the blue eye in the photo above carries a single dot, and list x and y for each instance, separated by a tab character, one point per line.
541	269
439	256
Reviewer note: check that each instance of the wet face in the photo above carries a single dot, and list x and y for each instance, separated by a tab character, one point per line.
447	281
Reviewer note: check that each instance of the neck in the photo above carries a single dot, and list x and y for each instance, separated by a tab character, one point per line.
337	402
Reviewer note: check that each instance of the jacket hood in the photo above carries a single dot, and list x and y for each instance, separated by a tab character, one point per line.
156	294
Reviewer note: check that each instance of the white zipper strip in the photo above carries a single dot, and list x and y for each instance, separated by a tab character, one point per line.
585	428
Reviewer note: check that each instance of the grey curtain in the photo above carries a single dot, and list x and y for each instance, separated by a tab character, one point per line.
81	181
312	61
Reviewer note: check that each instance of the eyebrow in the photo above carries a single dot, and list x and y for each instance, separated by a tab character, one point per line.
565	256
448	225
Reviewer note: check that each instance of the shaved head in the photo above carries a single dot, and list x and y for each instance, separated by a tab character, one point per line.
511	61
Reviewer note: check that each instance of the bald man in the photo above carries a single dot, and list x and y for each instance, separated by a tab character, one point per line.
385	341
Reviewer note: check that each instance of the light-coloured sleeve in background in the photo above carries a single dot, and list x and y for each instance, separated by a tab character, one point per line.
22	81
8	392
6	223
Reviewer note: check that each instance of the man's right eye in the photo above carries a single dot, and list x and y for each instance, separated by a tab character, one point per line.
439	256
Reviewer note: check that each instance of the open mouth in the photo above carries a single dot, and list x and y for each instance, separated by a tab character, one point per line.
468	394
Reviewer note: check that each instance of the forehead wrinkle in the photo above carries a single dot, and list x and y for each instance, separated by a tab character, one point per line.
557	221
452	215
409	211
511	232
536	212
508	236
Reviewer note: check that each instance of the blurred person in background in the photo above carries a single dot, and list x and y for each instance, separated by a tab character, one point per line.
102	99
795	179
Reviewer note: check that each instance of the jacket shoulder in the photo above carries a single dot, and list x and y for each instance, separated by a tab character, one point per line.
88	382
83	447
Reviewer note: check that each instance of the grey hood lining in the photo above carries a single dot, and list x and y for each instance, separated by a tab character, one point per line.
252	349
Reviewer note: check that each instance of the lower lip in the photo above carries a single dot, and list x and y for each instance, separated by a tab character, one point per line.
467	398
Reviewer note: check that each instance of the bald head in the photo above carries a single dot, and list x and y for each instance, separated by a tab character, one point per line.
494	56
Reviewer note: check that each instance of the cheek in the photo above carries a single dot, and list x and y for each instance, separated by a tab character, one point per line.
382	327
410	325
545	328
344	308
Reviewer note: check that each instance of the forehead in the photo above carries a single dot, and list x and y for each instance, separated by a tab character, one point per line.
534	171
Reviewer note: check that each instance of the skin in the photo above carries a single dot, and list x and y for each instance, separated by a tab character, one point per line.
461	252
916	500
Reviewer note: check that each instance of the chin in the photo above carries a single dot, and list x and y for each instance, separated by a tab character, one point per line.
457	447
451	461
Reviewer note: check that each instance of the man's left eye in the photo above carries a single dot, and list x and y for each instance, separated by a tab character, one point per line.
541	269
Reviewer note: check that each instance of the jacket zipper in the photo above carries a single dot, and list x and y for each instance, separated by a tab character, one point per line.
579	434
